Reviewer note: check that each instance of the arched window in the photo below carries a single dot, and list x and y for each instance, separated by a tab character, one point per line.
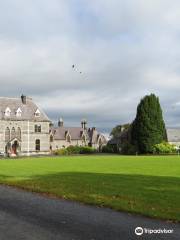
68	138
19	133
37	145
13	133
7	134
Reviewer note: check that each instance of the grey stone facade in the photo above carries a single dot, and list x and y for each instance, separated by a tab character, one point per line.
62	136
19	132
173	135
26	130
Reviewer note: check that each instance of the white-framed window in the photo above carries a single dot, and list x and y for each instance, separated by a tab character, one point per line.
37	113
37	128
18	112
7	112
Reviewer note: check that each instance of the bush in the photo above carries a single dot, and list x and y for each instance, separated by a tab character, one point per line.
75	150
87	150
163	148
62	151
109	149
129	149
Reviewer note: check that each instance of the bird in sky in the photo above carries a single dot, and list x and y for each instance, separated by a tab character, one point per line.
73	66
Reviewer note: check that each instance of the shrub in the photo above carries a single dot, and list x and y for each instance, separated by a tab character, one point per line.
87	150
62	151
73	149
129	149
109	149
163	148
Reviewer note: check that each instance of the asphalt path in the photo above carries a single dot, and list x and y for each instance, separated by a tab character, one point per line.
30	216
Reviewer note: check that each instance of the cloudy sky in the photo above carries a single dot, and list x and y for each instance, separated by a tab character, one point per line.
124	49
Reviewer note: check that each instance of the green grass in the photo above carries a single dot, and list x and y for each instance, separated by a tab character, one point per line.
138	184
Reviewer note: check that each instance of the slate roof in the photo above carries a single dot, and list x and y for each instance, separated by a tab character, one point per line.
75	133
92	135
173	134
27	109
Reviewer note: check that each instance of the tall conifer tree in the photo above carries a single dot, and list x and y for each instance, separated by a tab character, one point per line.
148	128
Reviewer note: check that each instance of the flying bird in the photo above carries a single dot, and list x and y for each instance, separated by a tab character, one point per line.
73	66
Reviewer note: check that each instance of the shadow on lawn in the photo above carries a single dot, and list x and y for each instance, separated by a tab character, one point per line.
156	196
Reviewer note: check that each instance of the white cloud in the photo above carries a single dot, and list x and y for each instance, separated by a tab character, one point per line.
125	49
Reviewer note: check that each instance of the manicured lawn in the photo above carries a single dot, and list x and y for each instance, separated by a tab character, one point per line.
138	184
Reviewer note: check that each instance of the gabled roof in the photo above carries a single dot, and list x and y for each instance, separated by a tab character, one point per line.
60	132
76	133
28	109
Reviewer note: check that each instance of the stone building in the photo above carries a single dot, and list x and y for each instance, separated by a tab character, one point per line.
24	127
26	130
173	135
62	137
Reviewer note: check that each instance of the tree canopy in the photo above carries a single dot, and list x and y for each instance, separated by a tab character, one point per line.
148	128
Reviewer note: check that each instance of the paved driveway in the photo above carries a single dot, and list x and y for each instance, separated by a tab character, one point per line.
25	215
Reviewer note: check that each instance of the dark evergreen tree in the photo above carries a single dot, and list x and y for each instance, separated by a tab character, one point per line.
148	128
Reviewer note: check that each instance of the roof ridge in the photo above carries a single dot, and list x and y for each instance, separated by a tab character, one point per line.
28	98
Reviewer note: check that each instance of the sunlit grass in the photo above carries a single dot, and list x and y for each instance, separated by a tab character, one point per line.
139	184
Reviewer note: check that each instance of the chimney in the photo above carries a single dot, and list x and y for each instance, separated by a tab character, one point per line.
83	123
60	122
23	99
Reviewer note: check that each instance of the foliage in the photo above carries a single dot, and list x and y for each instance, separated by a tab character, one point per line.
75	150
116	131
148	127
128	148
62	151
109	149
87	150
164	148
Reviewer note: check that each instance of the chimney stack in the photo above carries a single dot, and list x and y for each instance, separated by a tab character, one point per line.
83	123
23	99
60	122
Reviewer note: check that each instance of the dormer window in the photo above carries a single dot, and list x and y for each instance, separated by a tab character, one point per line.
7	112
37	113
18	112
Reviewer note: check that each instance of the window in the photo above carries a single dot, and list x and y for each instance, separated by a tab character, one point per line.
18	112
51	138
19	133
37	145
83	138
68	138
13	133
37	128
37	113
7	134
7	112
